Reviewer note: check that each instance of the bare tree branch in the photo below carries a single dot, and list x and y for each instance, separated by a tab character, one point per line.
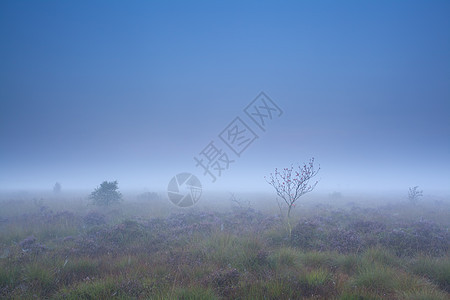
290	184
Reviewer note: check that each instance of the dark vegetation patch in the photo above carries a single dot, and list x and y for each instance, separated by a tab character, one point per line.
347	232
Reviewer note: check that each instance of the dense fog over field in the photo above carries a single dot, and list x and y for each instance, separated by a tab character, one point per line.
134	91
225	150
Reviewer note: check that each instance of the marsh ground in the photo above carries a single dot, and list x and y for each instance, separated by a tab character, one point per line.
60	247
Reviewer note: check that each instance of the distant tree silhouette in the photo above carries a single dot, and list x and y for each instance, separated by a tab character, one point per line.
106	194
57	188
414	194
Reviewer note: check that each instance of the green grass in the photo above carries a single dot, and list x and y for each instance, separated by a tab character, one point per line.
285	256
193	293
40	277
358	296
224	249
316	259
376	278
348	264
98	289
423	294
434	269
139	262
9	275
74	270
317	277
380	255
275	288
42	230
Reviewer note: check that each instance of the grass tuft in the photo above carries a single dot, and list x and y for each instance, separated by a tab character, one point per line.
423	294
317	277
39	277
348	264
376	278
380	255
194	293
434	269
284	256
316	259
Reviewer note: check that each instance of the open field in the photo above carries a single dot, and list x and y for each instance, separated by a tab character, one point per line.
263	150
148	249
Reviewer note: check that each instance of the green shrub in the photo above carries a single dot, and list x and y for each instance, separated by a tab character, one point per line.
106	194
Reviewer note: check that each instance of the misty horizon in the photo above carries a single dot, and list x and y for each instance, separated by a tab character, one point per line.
134	92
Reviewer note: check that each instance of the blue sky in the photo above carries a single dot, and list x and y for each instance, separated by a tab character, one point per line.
105	90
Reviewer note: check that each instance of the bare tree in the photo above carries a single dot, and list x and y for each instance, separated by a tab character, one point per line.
414	194
237	201
290	184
